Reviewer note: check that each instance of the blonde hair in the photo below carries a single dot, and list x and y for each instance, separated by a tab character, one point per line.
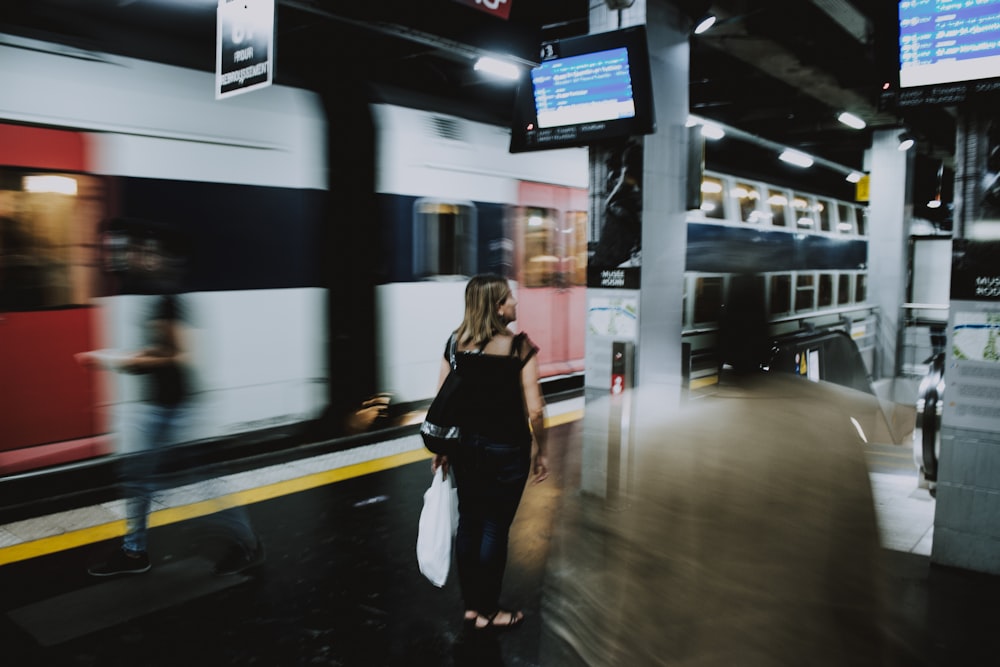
483	295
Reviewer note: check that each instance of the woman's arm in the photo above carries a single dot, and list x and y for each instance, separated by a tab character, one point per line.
535	405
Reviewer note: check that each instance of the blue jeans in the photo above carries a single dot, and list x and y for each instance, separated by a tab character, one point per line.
142	472
490	477
158	429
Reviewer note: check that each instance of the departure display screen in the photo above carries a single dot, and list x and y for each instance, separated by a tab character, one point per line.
583	89
948	41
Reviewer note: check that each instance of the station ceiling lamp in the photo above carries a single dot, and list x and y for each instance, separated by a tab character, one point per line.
906	141
850	120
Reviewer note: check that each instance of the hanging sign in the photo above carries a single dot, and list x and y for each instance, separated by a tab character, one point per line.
499	8
244	57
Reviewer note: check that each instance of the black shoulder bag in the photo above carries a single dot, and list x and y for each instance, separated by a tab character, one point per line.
440	429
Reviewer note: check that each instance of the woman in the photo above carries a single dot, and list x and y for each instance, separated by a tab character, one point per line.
503	418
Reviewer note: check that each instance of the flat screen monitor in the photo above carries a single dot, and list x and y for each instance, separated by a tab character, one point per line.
945	42
586	89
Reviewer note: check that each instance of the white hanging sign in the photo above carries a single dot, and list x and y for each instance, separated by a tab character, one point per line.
244	56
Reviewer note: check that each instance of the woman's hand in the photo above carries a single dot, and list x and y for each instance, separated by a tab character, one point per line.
540	467
440	461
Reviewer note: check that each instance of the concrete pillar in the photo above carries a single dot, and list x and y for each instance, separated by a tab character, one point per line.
889	212
657	303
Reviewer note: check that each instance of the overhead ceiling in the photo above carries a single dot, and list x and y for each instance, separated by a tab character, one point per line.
778	69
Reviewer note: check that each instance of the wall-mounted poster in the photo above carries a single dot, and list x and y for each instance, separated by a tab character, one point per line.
615	243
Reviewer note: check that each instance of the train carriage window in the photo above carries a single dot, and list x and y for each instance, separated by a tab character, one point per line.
863	220
748	198
823	214
707	298
444	235
777	202
712	199
575	259
843	289
804	213
541	249
846	219
781	294
860	288
48	239
824	297
805	292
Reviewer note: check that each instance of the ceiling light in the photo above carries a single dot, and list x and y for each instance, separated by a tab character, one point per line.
712	131
498	68
906	141
850	120
934	203
704	23
854	177
798	158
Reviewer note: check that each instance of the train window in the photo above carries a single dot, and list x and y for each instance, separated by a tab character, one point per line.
48	239
860	288
846	223
843	289
541	259
804	213
707	298
822	213
575	253
863	220
444	235
712	201
781	293
777	202
805	292
748	198
824	297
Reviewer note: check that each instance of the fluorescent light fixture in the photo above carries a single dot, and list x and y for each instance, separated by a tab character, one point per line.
712	131
798	158
63	185
704	23
498	68
854	177
906	141
850	120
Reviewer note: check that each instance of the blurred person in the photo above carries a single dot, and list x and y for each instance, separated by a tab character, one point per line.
155	264
504	422
748	535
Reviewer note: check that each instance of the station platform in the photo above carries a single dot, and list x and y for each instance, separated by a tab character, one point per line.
340	584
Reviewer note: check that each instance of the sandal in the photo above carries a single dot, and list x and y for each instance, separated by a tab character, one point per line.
513	619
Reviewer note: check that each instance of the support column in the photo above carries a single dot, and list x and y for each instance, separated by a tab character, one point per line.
653	311
890	211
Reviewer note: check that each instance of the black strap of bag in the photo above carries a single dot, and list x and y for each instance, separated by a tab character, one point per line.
440	430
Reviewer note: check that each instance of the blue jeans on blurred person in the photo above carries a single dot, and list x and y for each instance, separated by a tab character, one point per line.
159	427
490	477
143	474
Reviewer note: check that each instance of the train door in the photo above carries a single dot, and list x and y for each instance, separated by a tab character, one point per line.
550	226
49	217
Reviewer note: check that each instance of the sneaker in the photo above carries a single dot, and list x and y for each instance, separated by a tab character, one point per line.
237	560
122	562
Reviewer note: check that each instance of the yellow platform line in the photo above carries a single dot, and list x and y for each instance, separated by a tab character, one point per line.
106	531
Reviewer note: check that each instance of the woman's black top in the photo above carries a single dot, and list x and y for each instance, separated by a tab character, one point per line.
493	400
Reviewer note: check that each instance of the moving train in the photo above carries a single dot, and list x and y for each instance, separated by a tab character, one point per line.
89	138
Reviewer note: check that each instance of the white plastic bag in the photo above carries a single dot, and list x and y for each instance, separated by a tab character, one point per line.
438	523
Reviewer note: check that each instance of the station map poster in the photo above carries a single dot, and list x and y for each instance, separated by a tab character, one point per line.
244	57
614	245
972	374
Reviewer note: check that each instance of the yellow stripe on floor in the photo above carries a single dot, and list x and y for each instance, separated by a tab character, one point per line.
77	538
